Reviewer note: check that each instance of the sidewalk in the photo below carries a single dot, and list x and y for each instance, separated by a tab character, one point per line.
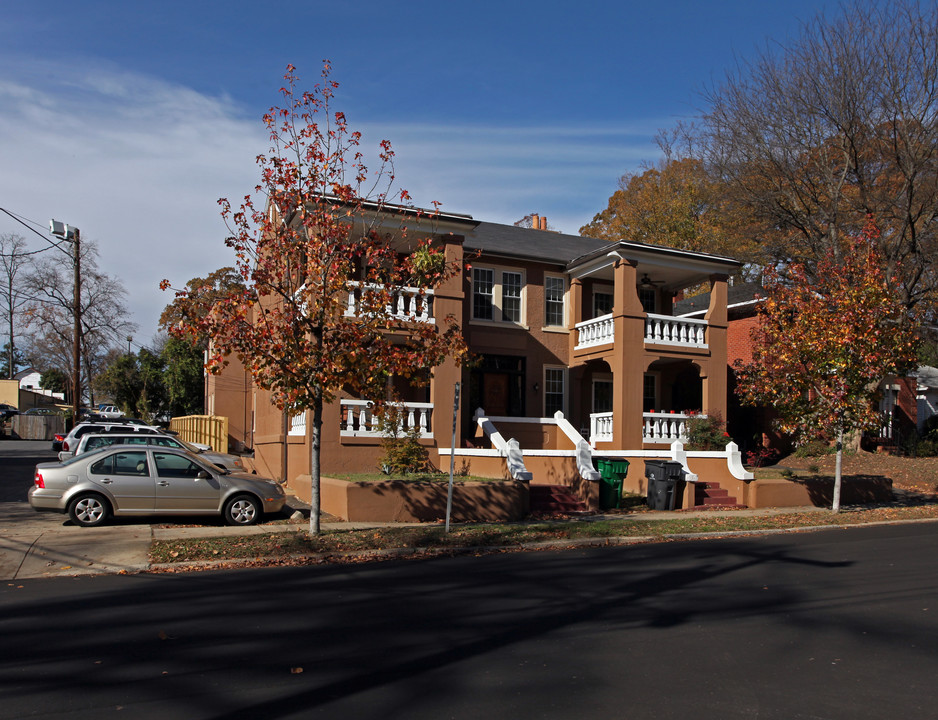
41	545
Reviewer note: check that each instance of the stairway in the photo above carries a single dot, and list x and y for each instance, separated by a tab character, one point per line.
554	500
710	495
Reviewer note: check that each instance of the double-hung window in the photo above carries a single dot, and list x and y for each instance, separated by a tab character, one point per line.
555	288
498	295
554	390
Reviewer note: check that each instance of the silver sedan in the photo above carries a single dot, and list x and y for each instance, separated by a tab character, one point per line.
121	480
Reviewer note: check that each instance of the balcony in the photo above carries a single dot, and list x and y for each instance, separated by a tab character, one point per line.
358	420
409	304
659	330
657	428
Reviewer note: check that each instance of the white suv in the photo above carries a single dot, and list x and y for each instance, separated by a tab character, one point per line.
99	426
95	441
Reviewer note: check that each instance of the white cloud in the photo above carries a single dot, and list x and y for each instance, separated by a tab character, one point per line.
138	165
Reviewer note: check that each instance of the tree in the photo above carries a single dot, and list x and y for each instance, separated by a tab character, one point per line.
135	383
53	380
839	124
104	321
15	262
825	341
183	376
676	203
327	226
197	299
19	360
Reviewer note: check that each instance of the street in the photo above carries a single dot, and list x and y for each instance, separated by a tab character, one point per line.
830	624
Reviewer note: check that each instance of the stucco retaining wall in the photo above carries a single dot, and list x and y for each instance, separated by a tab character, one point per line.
396	501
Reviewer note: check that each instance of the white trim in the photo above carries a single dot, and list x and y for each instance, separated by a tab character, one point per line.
497	298
563	379
566	287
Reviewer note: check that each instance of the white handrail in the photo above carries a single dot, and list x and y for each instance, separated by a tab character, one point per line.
358	419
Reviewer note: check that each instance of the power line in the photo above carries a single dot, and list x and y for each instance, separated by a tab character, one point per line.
22	222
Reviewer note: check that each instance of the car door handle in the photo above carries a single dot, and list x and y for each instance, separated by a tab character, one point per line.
163	483
106	481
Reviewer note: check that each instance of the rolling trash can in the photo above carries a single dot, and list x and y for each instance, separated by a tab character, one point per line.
613	474
663	476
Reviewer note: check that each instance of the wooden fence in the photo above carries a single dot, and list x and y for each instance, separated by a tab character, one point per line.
207	429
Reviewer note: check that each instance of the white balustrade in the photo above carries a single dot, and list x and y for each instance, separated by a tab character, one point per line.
665	427
667	330
358	419
600	427
409	304
598	331
298	424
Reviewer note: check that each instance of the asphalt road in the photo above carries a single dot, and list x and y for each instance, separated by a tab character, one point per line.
829	624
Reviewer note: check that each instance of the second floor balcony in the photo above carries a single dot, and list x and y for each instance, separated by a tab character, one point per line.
407	303
659	330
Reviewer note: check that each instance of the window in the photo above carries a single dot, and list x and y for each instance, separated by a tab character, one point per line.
647	298
602	303
511	296
498	295
602	395
483	293
175	466
554	386
649	393
122	463
554	290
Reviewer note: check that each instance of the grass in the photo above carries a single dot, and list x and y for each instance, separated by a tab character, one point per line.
298	546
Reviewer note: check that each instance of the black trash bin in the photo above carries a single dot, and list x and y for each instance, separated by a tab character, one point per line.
663	476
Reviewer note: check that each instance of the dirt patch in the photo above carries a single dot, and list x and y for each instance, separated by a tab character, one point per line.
912	474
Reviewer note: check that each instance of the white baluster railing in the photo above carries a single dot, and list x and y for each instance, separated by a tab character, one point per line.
409	304
358	419
598	331
600	427
668	330
665	427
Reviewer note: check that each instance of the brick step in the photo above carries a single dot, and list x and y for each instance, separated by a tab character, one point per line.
554	499
710	495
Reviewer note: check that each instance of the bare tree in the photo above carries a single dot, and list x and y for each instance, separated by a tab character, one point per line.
15	262
105	323
839	124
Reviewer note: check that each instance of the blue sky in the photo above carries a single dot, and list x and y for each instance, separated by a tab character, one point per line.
129	120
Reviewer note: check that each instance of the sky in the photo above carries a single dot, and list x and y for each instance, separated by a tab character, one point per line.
129	120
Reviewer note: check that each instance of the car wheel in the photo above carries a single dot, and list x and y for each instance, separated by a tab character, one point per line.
89	510
242	510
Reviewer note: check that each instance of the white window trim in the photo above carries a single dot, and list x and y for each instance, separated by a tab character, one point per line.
566	289
565	375
497	304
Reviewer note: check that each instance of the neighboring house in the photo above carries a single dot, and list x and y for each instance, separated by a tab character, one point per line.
29	380
926	395
556	323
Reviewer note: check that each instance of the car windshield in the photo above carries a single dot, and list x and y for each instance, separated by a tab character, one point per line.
200	460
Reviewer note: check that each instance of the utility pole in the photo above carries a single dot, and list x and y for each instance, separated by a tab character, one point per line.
73	235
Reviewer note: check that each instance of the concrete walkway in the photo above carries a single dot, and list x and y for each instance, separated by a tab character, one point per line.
38	545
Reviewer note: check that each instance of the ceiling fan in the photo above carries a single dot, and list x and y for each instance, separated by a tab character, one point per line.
648	282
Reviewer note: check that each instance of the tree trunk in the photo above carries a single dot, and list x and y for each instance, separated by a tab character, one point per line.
314	457
835	507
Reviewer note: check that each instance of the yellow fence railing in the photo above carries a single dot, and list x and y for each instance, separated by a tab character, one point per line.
206	429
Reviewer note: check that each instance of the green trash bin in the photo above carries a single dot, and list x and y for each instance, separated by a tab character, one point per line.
613	473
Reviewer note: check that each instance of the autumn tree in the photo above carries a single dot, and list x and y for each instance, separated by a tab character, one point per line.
677	204
197	298
825	341
814	135
325	227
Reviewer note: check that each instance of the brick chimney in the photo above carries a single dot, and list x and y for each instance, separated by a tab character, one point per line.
535	221
543	225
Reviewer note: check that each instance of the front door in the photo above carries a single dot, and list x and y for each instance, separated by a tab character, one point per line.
495	394
179	487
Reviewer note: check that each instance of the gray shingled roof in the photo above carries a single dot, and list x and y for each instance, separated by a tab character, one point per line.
519	242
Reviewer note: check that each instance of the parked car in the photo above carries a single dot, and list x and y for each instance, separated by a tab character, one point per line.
147	480
93	441
123	425
42	411
7	411
109	411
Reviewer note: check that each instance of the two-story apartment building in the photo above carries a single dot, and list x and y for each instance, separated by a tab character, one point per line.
555	322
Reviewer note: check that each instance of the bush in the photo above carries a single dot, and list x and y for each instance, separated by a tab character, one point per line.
814	448
762	457
706	432
403	453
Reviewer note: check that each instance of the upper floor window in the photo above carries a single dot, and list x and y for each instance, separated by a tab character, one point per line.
498	295
602	303
555	288
648	297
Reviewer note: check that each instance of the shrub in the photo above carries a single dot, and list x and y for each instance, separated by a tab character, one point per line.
762	457
814	448
403	453
706	432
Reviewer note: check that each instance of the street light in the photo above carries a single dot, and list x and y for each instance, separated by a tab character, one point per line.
73	235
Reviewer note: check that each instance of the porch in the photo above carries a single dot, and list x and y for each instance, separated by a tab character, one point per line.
659	330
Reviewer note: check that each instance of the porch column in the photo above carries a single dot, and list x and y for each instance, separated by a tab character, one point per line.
576	314
448	300
714	374
627	359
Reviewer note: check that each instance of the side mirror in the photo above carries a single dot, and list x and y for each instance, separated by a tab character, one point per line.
202	475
